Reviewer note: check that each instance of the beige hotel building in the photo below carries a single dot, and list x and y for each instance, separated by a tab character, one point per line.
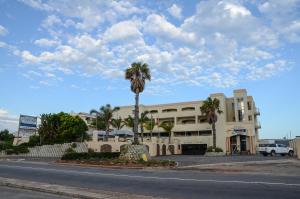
236	129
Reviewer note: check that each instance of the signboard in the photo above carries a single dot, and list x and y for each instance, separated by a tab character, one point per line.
239	131
27	122
27	126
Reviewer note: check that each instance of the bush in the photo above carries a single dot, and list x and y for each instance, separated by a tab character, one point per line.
22	148
34	140
90	156
73	145
70	150
212	149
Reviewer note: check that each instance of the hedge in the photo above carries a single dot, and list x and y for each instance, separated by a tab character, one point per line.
89	156
212	149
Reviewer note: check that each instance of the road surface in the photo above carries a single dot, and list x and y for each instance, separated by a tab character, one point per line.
160	183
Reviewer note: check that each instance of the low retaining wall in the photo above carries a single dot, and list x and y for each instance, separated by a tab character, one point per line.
50	151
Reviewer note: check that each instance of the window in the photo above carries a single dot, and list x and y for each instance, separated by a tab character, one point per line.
188	109
204	133
169	110
240	115
250	117
249	105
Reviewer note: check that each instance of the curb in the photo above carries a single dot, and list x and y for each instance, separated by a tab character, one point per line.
74	192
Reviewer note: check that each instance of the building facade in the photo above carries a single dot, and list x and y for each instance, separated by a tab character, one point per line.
236	129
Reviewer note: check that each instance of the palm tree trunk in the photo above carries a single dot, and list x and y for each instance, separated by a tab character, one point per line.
136	119
142	132
214	135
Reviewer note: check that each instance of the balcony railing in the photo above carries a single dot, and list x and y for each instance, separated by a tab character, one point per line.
257	125
256	111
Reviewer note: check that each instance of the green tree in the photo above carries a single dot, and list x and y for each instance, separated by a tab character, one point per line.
106	114
129	122
72	128
143	120
138	73
149	125
210	108
117	123
60	128
167	126
5	136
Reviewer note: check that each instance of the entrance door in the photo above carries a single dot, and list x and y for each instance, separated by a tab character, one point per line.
243	142
193	149
233	145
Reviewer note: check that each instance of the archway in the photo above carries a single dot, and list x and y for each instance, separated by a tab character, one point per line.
164	150
172	149
106	148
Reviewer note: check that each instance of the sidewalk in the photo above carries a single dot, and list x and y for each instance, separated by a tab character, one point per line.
74	192
282	167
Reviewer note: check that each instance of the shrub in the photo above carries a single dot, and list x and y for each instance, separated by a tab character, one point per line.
22	148
90	150
73	145
212	149
90	156
70	150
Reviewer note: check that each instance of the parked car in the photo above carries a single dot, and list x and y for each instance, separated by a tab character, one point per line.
273	149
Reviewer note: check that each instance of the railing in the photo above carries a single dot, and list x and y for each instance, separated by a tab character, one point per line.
256	111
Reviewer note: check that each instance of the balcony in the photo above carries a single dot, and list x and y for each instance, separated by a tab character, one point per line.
257	125
256	111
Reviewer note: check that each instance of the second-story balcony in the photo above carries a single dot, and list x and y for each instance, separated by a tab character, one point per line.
257	125
256	111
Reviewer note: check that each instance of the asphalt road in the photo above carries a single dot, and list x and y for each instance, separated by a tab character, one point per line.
187	160
161	183
13	193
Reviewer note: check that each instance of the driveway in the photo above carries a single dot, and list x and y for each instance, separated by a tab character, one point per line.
187	160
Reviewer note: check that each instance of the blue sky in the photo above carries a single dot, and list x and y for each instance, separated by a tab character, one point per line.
71	55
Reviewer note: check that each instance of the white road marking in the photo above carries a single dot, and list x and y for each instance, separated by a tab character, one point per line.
150	177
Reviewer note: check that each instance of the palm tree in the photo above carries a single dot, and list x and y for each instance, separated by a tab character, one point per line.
117	123
138	73
210	108
129	122
143	120
149	125
106	114
167	126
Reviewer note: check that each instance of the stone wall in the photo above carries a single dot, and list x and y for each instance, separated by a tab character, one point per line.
135	152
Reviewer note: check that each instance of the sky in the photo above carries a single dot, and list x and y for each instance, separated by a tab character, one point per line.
71	55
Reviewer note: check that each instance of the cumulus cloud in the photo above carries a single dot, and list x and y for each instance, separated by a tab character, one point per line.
220	44
175	11
8	121
45	42
3	31
160	27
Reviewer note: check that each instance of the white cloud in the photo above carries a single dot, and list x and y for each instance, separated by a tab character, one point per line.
3	31
125	30
175	11
51	20
160	27
45	42
8	121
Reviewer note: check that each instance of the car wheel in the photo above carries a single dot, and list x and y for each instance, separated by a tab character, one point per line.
291	153
265	154
273	153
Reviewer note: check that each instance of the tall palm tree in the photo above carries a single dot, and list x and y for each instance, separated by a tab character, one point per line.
210	108
117	123
149	125
129	122
167	127
143	120
106	114
138	73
